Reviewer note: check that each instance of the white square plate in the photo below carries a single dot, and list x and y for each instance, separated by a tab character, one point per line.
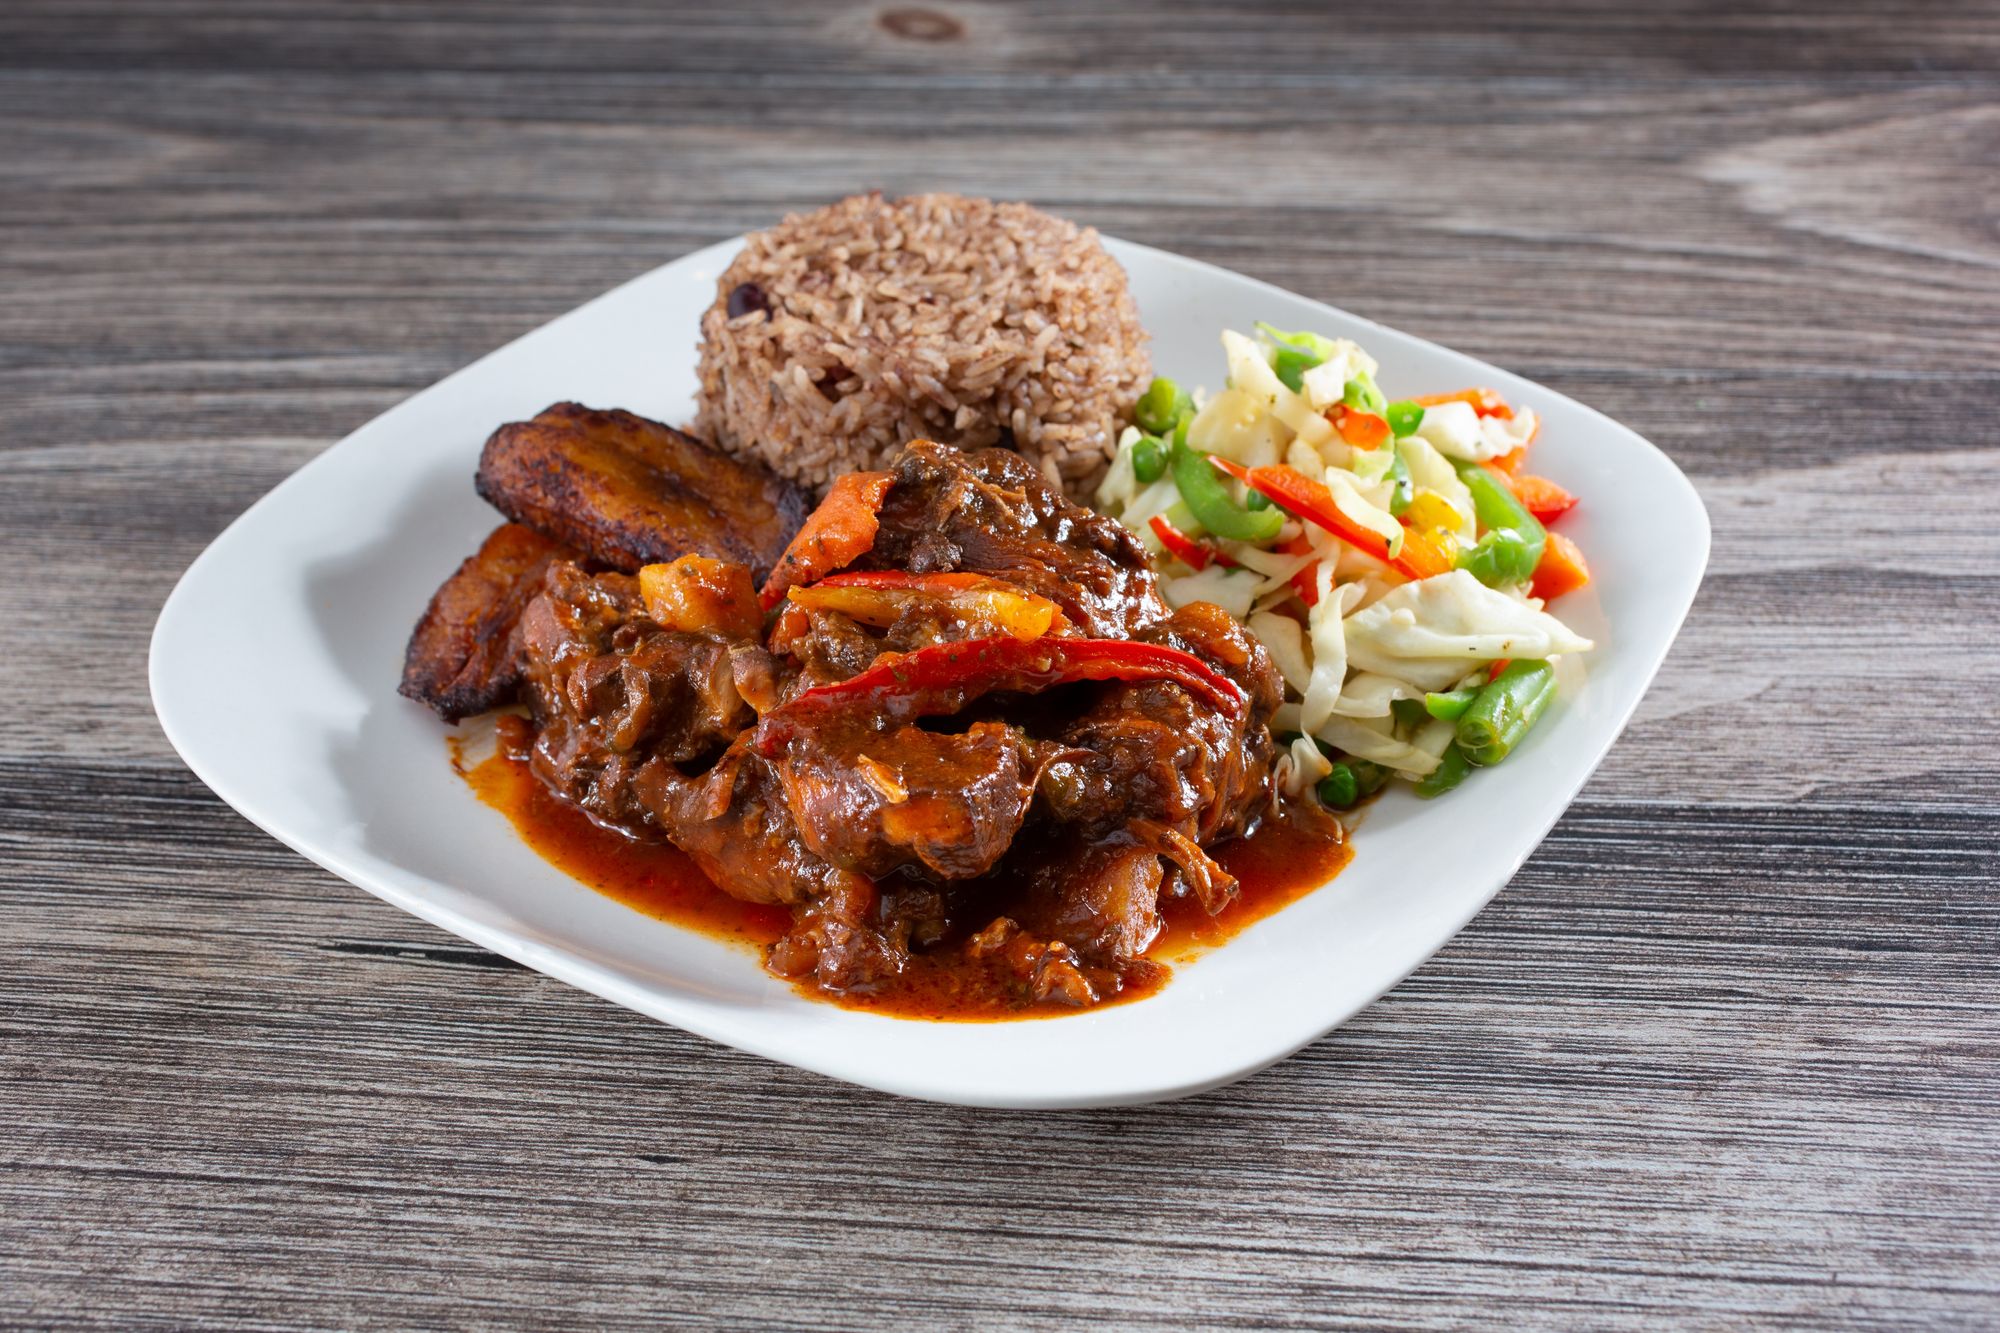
275	662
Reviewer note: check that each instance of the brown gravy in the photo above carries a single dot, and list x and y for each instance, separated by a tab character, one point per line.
1282	862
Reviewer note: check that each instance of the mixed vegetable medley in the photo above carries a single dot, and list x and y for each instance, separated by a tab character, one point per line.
1395	558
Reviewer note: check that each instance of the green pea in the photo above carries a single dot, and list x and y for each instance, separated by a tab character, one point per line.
1339	789
1149	459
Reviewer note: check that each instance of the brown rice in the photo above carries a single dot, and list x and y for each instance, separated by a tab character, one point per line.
872	322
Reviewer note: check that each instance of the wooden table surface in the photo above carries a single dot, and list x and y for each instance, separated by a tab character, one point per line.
1725	1053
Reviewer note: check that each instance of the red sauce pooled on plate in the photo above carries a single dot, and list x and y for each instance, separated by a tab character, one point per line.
1279	864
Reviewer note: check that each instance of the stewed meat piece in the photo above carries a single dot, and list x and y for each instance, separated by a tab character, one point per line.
613	691
992	512
975	731
1149	750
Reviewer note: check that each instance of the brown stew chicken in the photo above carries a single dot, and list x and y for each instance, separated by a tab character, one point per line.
943	725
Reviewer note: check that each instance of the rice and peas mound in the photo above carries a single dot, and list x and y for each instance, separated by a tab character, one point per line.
838	335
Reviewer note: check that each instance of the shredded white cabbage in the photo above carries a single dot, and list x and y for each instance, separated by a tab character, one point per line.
1426	632
1233	592
1504	436
1329	648
1430	472
1351	502
1285	640
1250	370
1237	424
1120	483
1371	740
1300	766
1368	694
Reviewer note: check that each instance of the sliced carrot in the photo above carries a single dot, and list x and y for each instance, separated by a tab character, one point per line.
835	535
1510	462
1542	497
1561	569
1363	430
1484	401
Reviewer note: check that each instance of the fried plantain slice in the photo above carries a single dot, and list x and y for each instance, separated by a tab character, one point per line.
464	656
630	492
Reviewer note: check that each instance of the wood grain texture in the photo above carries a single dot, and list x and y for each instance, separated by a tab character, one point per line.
1725	1054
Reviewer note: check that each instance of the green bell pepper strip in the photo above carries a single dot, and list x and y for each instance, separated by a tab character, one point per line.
1361	394
1402	487
1513	538
1162	407
1295	354
1450	706
1504	711
1404	418
1451	771
1207	497
1312	344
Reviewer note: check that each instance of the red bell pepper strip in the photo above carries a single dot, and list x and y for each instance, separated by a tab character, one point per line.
1306	582
1183	547
1542	497
1312	501
945	677
837	533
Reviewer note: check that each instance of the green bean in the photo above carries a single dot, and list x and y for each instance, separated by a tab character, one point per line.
1149	459
1204	493
1513	538
1495	503
1451	706
1163	406
1404	418
1339	789
1501	559
1504	711
1451	770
